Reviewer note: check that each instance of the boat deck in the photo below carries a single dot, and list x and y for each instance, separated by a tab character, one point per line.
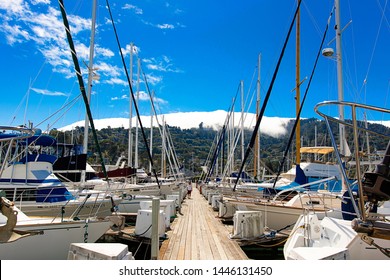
197	234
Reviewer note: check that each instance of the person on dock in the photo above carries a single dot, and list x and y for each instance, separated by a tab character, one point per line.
189	189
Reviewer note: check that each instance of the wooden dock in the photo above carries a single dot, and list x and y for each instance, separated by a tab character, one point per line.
197	234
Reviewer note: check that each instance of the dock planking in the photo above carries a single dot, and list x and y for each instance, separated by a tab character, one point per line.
197	234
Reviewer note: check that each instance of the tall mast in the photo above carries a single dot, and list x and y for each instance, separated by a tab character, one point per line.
340	77
256	165
297	83
163	154
89	88
130	141
151	130
242	121
137	123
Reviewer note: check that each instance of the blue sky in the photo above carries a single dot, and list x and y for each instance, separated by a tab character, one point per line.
194	54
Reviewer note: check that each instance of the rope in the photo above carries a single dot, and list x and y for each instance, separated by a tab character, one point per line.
86	231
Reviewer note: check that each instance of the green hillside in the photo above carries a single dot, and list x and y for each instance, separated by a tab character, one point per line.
193	147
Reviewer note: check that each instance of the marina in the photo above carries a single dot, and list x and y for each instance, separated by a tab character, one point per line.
213	193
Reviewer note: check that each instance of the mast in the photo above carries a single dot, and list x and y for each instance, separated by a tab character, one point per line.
81	83
163	155
130	141
256	162
340	77
137	123
298	82
242	121
232	141
89	88
151	130
340	91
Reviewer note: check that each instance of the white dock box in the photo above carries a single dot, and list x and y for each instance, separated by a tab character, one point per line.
99	251
175	198
226	209
167	206
215	199
248	224
210	195
143	224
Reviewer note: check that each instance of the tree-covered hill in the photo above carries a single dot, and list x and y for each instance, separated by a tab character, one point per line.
193	147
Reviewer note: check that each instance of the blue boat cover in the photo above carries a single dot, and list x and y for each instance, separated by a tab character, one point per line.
50	195
300	177
41	140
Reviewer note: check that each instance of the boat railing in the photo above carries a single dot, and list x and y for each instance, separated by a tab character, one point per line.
353	107
307	185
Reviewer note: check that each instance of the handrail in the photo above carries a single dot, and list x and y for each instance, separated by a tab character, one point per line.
302	186
28	132
354	106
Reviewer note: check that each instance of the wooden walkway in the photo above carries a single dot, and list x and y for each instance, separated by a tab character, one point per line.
197	234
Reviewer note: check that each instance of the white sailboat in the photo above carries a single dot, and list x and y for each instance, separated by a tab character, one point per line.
364	231
25	238
32	185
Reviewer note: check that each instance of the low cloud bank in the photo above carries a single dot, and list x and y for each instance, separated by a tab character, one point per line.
272	126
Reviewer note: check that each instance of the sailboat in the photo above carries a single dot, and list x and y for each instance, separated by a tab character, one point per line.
26	238
364	230
28	179
308	186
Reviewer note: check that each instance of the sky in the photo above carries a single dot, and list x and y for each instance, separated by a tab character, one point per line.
194	56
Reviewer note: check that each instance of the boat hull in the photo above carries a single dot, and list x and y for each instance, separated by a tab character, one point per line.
53	240
329	238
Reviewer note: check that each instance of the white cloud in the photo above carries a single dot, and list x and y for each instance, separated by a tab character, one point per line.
136	10
272	126
48	92
165	26
46	29
162	64
39	23
143	96
385	123
153	79
36	2
123	97
116	81
13	7
15	33
127	49
103	51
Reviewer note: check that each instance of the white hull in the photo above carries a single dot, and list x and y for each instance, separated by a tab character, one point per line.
278	215
54	241
329	238
92	208
132	204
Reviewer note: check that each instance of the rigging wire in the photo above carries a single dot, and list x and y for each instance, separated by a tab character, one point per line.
221	137
169	148
69	105
81	84
302	103
132	95
261	114
375	43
